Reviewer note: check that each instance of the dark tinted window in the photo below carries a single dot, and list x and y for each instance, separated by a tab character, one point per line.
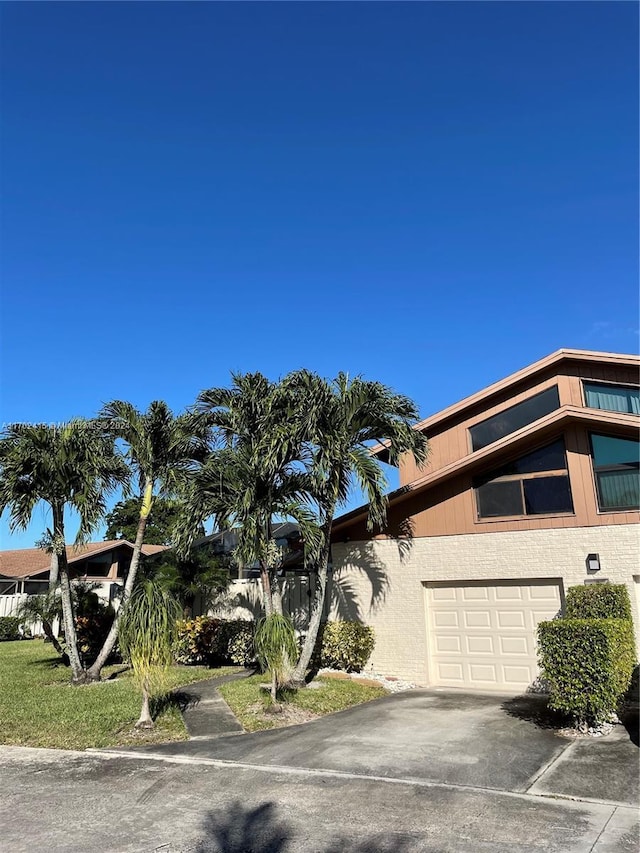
518	489
549	458
547	494
514	418
500	499
616	468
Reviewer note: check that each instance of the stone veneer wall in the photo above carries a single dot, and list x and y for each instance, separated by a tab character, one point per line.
400	621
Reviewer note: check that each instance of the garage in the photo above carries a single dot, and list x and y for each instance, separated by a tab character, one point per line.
482	635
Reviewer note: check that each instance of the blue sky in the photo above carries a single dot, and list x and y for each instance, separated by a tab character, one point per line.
431	194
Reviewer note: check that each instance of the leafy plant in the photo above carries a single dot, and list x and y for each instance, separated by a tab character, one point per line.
122	522
9	626
237	639
147	631
598	601
44	608
344	645
195	640
588	664
276	649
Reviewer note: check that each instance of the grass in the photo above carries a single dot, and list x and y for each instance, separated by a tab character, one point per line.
249	702
39	707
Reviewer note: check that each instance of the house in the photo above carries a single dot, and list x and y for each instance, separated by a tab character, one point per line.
532	486
26	571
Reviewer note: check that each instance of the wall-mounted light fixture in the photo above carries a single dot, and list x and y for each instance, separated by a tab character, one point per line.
593	562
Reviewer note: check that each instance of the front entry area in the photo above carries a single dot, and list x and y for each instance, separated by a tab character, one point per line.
482	635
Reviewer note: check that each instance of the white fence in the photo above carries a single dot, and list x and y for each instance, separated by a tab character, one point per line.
9	605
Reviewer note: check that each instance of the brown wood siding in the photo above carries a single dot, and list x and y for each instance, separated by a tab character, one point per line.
449	508
452	442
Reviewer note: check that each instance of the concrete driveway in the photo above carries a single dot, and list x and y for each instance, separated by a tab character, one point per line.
442	737
421	771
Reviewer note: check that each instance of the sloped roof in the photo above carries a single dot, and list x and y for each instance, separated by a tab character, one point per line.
483	396
27	562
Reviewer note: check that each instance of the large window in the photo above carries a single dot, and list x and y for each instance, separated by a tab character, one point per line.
514	418
616	467
535	484
612	398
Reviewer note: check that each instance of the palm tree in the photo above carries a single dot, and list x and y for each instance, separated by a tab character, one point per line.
197	574
70	466
161	448
147	630
276	649
343	419
257	473
45	608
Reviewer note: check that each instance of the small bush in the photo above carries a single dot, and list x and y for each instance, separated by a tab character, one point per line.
344	645
598	601
93	620
205	640
235	642
588	664
195	640
9	628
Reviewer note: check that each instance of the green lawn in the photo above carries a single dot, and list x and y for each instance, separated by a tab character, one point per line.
39	707
248	702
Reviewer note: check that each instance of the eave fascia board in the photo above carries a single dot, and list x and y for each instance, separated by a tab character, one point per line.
628	360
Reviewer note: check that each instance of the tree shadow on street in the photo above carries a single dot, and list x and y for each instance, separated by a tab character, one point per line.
240	829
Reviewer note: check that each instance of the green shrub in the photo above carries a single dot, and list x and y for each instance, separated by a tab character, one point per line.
9	628
206	640
598	601
195	640
344	645
235	642
588	664
93	619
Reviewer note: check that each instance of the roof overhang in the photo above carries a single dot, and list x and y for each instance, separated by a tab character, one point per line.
381	451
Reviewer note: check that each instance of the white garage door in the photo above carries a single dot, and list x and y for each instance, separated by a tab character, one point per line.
483	635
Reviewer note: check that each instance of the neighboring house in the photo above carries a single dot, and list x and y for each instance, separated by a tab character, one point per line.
243	598
26	572
532	486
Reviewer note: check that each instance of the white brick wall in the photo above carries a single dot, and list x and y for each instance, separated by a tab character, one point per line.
400	621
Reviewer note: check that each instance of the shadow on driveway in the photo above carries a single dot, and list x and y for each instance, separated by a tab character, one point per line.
240	829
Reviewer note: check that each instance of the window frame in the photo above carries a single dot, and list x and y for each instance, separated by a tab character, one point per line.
558	472
500	412
605	384
607	468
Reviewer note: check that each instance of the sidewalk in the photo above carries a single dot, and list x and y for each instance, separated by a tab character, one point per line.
205	713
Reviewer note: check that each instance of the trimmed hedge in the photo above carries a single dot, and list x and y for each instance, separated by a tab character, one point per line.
344	645
598	601
588	664
206	640
9	628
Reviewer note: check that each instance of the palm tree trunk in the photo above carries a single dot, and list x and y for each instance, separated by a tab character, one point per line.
267	598
145	721
68	620
50	635
54	570
93	673
317	609
276	596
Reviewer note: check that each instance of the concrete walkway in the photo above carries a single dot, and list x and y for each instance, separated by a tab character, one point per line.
206	715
